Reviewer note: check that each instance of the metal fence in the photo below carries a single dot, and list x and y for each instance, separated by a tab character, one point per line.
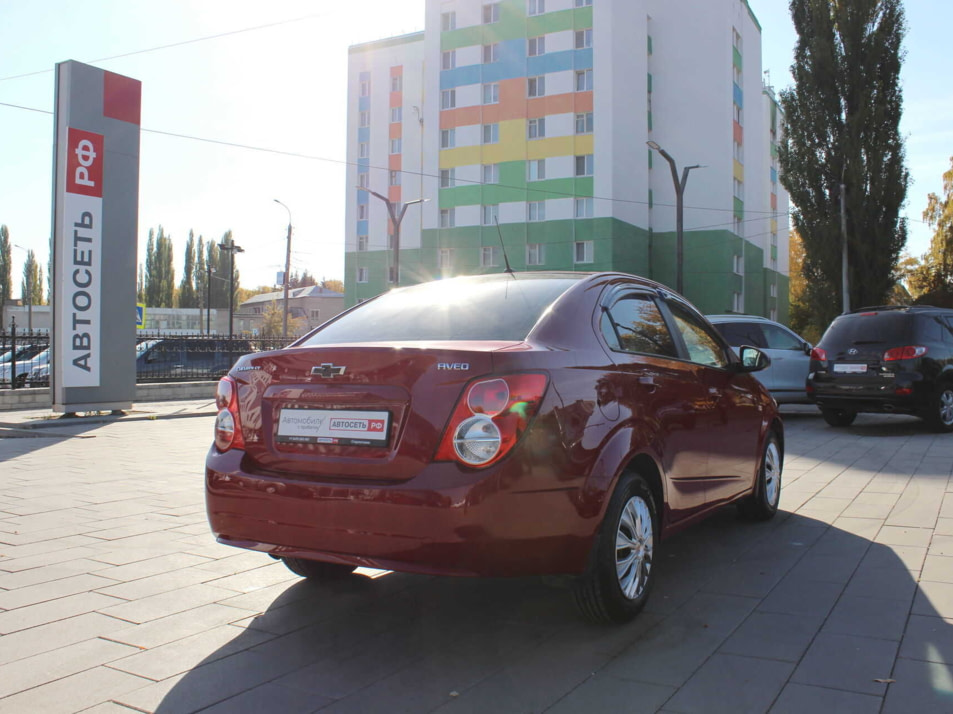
159	357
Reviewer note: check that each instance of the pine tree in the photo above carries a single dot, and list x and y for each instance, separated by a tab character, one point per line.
187	293
842	126
31	288
6	268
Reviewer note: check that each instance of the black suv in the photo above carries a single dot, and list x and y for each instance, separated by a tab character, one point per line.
892	359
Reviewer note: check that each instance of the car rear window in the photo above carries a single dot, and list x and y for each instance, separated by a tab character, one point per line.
449	310
869	328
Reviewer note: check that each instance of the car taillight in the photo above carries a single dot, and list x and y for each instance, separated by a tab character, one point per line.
490	418
819	354
228	425
908	352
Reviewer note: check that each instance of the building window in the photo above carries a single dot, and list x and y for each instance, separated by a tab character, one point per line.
448	21
535	254
774	314
737	265
396	115
584	123
491	214
736	39
535	7
491	13
739	115
362	211
396	83
536	170
362	150
739	227
447	218
365	87
491	173
536	86
536	46
584	80
737	304
536	128
584	165
491	133
395	178
395	145
315	314
583	39
448	59
444	258
489	257
582	3
536	211
739	188
737	75
582	251
491	93
774	290
362	243
448	138
583	208
362	179
448	178
739	152
491	53
448	99
364	119
362	275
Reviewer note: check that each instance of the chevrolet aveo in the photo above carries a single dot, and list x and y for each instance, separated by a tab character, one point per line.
510	424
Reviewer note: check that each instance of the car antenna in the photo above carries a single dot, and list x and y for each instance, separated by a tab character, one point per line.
503	246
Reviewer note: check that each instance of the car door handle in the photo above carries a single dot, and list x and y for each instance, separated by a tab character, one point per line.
648	383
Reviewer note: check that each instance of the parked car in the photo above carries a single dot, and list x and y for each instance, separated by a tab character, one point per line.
27	358
508	424
789	352
182	358
894	359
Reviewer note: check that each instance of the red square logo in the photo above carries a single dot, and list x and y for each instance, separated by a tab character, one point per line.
122	97
84	163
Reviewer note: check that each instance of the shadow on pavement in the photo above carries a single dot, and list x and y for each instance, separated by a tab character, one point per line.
821	609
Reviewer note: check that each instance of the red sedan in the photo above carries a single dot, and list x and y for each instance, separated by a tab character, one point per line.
508	424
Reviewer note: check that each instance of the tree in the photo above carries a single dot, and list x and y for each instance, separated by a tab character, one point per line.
187	292
220	262
842	126
31	288
6	269
332	284
160	273
933	278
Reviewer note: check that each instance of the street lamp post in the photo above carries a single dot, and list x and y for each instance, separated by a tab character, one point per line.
231	248
396	212
284	322
679	210
208	299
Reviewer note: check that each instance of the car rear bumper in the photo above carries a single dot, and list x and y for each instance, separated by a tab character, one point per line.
478	525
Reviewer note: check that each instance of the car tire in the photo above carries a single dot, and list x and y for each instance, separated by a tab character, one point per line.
940	416
620	575
838	417
763	503
20	380
317	570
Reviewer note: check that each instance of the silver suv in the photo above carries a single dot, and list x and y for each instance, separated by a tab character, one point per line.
789	352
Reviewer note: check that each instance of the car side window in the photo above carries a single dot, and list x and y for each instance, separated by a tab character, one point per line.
703	347
742	333
947	324
778	339
634	323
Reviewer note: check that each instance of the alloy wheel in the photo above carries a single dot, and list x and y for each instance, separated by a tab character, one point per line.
633	547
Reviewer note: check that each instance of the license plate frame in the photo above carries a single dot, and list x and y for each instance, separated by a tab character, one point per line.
335	427
850	368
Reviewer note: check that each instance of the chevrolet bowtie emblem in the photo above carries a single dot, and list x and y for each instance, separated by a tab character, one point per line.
327	370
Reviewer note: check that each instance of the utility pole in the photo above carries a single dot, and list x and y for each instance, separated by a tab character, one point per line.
396	216
284	321
231	248
679	210
845	287
208	301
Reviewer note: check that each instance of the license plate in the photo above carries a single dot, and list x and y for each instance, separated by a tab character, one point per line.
851	368
333	426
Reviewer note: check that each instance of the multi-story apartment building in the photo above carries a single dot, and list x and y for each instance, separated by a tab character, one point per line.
525	123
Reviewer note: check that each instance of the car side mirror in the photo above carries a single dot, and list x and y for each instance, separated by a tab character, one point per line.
807	347
752	359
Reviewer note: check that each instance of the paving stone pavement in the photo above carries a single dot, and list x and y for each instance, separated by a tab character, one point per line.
115	598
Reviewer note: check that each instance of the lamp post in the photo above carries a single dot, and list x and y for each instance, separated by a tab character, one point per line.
396	216
231	248
284	322
679	209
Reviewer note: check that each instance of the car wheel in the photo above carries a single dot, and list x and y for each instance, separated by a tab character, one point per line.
620	575
838	417
763	503
317	570
940	417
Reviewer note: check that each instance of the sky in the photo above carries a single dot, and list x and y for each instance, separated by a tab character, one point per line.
269	80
